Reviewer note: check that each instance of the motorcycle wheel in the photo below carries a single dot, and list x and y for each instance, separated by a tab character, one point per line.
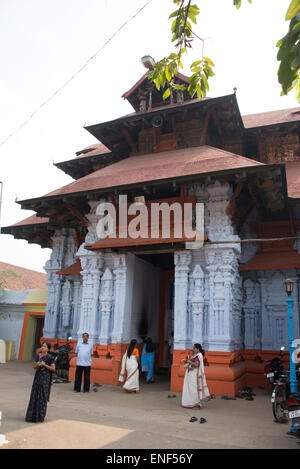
279	406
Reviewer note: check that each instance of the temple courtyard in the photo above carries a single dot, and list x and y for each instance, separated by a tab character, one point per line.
154	419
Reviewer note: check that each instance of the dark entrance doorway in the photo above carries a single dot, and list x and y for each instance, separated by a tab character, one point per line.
165	326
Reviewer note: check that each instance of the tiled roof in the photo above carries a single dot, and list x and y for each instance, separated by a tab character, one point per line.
158	166
271	118
273	260
33	220
13	277
93	150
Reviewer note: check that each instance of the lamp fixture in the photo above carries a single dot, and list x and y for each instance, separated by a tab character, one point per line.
288	284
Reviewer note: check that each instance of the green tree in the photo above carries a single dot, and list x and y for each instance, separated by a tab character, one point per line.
164	72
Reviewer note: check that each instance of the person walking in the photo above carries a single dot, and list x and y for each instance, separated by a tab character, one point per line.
130	367
147	360
194	386
40	391
84	352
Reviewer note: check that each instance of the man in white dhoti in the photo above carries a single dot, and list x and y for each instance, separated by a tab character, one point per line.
130	365
194	387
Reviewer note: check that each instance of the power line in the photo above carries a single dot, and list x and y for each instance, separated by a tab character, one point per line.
75	74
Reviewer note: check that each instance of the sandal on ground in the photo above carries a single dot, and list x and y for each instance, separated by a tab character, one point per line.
193	419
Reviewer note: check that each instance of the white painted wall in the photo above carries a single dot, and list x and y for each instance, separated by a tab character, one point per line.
12	316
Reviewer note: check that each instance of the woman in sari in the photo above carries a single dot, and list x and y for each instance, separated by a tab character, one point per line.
147	360
40	392
130	366
194	387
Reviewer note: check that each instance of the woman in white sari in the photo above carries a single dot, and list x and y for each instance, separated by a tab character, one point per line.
130	365
194	387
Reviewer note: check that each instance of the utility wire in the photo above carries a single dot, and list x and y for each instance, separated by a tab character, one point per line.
75	74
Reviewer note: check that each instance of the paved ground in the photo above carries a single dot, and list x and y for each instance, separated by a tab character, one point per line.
113	419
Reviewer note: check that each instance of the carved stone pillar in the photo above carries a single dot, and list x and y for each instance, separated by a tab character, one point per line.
182	262
252	317
225	292
76	305
91	273
120	269
106	305
66	310
55	263
197	305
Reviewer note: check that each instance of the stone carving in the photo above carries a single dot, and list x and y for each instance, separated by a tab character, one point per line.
197	304
274	308
182	261
66	305
89	318
119	271
106	305
252	314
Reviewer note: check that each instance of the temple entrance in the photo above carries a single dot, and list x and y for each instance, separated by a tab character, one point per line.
163	326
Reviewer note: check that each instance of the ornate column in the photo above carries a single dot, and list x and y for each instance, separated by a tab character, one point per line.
197	305
251	309
89	315
120	269
106	305
55	263
225	290
266	329
76	305
66	310
182	262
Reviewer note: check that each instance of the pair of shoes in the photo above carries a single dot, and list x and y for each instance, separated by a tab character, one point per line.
171	395
202	420
193	419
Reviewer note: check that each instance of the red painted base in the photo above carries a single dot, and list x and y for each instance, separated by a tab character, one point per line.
226	372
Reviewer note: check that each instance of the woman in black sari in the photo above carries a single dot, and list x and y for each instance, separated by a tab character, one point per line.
40	392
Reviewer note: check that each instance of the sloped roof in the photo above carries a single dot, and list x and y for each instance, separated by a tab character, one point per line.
93	150
158	166
272	118
19	278
32	220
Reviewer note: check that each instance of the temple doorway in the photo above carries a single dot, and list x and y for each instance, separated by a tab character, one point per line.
162	326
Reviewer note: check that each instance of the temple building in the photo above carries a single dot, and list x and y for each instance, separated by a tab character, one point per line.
228	294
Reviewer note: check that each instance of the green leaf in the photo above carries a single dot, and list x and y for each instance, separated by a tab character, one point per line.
175	13
166	93
237	3
168	74
292	9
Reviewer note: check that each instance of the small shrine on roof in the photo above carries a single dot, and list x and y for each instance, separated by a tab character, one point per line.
227	292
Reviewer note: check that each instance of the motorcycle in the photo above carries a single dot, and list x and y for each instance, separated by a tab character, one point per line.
62	360
274	368
293	406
